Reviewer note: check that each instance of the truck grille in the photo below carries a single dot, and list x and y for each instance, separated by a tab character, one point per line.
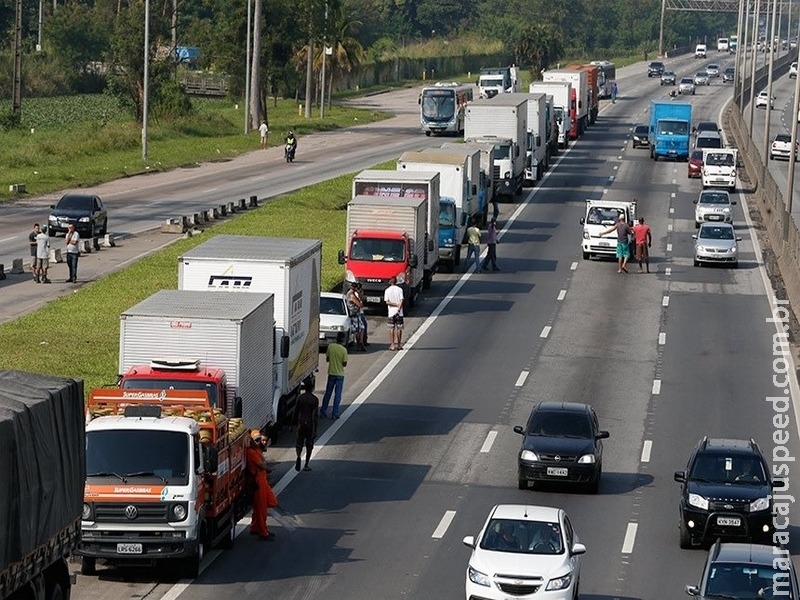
496	172
117	512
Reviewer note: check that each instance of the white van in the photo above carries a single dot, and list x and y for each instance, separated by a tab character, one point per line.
722	45
700	51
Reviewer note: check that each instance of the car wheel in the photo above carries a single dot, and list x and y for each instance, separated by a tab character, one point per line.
522	484
594	486
104	231
586	256
685	539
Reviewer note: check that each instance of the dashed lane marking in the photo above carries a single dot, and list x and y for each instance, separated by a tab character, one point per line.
448	517
488	442
630	538
647	447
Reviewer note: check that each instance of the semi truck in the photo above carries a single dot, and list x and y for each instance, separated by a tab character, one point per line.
670	129
42	474
563	106
503	119
498	80
290	270
385	240
580	95
599	216
165	478
410	184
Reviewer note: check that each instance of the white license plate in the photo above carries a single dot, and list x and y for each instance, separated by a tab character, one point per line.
557	471
715	217
374	299
604	243
729	521
129	548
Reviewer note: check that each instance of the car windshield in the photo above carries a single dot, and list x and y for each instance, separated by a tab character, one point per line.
722	468
697	155
686	81
667	127
709	141
747	581
783	137
560	424
75	202
701	74
377	249
714	197
719	159
706	126
599	215
332	306
523	537
640	130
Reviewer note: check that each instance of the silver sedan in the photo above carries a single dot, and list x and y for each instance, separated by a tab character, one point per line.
686	86
701	78
716	243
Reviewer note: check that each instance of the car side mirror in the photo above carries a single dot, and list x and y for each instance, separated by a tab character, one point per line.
577	549
733	202
602	435
694	201
692	590
583	221
469	541
694	236
680	476
52	206
738	239
518	429
340	257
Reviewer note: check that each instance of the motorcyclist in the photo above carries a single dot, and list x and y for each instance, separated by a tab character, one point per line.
291	145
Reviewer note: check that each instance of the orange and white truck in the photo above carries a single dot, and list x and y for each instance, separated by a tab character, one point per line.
165	478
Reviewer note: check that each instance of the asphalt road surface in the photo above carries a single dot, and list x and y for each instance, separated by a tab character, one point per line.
425	446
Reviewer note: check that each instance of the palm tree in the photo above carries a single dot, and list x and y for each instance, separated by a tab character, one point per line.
348	53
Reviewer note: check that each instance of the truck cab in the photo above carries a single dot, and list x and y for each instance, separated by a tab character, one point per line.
498	80
600	215
719	168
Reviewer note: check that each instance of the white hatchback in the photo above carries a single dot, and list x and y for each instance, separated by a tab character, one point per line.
334	319
524	551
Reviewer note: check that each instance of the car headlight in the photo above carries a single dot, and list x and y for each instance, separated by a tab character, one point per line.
559	583
586	459
700	248
732	249
477	577
528	455
698	501
178	512
586	235
760	504
84	219
86	513
338	328
726	209
52	218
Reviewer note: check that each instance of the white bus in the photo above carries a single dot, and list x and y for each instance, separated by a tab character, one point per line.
442	107
722	45
606	75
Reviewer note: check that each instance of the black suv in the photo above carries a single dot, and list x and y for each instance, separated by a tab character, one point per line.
655	68
725	493
86	211
746	571
562	443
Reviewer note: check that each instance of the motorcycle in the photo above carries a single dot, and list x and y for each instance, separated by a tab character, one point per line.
289	151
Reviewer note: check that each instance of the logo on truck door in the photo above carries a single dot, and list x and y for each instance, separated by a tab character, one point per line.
229	282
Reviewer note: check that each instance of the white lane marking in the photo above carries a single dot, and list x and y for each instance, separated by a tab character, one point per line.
674	182
669	227
488	442
671	210
668	271
545	331
448	517
562	294
662	338
605	191
656	387
573	266
665	301
209	190
523	377
616	167
13	237
647	447
672	195
630	538
669	247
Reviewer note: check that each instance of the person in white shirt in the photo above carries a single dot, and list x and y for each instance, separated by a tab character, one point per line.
263	130
42	255
393	296
73	252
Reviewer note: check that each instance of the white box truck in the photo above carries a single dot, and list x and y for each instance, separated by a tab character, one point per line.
503	118
561	91
536	159
288	268
409	184
385	239
580	86
178	339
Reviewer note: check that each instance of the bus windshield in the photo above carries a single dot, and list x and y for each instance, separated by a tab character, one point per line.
438	105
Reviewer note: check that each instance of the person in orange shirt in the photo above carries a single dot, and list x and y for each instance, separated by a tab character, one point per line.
264	498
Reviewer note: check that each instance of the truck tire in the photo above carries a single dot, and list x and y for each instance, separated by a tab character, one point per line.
88	565
586	256
457	257
190	567
228	541
426	280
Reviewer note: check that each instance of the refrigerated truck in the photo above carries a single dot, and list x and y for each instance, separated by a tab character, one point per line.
563	105
580	86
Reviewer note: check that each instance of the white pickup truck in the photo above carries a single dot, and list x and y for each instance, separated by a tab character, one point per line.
600	215
719	168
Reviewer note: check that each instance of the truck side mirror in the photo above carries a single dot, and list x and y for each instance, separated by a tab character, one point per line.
285	345
237	407
211	458
538	140
516	150
583	221
430	246
413	262
340	257
474	189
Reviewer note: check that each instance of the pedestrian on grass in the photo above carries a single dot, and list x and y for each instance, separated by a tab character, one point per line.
306	418
394	298
623	231
473	245
644	240
42	256
264	497
491	245
264	131
336	357
73	252
34	245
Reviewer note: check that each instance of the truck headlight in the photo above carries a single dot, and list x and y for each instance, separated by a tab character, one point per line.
86	512
447	242
177	512
586	235
698	501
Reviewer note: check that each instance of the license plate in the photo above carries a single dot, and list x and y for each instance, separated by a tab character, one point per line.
729	521
557	471
374	299
129	548
605	243
715	217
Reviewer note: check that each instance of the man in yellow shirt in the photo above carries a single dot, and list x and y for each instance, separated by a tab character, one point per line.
473	246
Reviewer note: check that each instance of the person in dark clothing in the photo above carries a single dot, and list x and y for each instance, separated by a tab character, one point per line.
306	417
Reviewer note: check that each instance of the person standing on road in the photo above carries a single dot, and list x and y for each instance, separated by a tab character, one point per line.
644	240
623	244
362	316
264	497
306	418
354	309
42	256
393	297
614	91
336	357
491	245
473	246
264	131
73	252
34	245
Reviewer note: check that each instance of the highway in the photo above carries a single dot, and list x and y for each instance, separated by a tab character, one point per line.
426	447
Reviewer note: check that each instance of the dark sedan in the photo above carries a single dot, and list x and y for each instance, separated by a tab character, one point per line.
639	137
562	443
86	211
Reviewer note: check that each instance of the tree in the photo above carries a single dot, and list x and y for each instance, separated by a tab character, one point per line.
538	45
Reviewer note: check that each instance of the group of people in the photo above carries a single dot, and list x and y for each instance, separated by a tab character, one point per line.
474	246
39	241
639	236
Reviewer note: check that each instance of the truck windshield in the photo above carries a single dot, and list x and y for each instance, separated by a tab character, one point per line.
599	215
714	159
666	127
377	250
132	454
502	152
447	216
438	105
491	82
173	384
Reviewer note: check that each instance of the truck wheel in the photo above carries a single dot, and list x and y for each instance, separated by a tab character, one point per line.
426	281
539	172
228	541
451	266
428	133
191	564
457	258
88	566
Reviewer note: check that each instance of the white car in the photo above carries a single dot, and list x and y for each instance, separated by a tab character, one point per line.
686	86
713	206
524	551
334	319
716	243
763	99
793	70
782	147
701	78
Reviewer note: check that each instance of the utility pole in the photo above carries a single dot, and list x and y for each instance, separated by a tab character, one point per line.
309	64
765	154
753	67
255	67
145	83
247	69
324	53
792	158
16	93
661	29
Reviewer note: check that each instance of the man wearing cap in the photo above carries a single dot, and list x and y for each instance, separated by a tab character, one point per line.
306	417
264	497
623	241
